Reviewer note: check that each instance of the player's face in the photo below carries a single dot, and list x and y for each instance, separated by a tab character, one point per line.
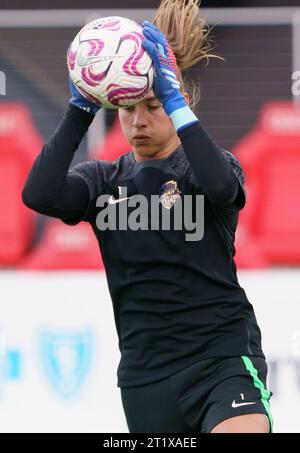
148	129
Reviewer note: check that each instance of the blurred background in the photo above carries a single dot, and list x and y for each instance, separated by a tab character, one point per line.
58	343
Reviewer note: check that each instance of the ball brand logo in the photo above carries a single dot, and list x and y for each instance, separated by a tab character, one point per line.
84	61
66	360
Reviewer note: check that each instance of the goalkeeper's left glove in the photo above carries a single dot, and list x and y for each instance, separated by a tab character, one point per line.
80	101
166	85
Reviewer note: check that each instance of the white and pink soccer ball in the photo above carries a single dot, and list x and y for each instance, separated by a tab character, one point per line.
108	63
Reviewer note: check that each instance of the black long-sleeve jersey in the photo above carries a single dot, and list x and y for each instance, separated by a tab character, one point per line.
175	301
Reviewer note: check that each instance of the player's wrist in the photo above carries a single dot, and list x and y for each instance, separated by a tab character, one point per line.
183	117
79	116
87	107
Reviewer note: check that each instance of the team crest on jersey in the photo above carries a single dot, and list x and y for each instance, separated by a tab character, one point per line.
168	194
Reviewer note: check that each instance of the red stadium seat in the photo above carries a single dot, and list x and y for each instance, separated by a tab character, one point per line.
270	156
64	248
20	143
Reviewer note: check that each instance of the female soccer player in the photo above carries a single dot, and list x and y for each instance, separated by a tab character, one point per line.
191	356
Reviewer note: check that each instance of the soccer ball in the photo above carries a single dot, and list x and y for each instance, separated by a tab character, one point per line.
108	64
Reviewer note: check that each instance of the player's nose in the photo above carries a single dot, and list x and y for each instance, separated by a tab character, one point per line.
139	117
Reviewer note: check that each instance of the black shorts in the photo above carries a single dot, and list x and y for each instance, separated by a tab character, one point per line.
199	397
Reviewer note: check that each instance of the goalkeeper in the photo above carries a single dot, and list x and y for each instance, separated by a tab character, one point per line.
191	355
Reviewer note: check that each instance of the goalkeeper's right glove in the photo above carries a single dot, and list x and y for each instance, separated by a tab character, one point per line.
166	84
80	101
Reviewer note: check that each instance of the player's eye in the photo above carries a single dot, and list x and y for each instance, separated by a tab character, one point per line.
154	106
130	108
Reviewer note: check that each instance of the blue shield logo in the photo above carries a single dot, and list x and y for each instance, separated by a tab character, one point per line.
66	360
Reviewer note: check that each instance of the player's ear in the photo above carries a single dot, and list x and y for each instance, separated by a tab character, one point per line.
187	98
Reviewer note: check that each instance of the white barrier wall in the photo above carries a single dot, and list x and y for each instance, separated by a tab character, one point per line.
62	343
275	295
59	350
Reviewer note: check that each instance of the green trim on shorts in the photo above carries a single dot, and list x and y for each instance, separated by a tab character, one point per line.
265	394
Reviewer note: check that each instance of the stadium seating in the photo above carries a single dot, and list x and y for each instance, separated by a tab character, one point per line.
64	248
20	142
114	144
270	156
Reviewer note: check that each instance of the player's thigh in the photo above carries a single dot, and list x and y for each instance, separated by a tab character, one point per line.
152	408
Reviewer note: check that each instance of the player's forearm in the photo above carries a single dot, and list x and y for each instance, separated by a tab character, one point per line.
45	182
210	167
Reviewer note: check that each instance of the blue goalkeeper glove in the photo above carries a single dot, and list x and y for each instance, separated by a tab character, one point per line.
166	85
80	101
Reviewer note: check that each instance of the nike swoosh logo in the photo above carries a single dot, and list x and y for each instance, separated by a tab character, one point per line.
112	200
83	61
234	404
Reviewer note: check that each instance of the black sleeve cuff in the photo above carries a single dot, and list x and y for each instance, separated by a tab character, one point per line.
79	116
189	131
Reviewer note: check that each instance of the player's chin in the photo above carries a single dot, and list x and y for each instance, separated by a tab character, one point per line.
144	146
